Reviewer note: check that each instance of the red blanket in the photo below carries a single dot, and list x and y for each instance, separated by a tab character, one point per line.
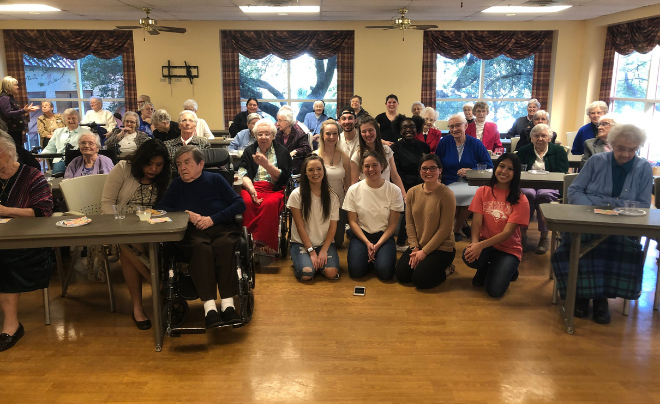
262	220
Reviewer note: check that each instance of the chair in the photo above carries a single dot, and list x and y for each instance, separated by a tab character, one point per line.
514	143
83	197
570	139
656	300
568	180
442	125
71	154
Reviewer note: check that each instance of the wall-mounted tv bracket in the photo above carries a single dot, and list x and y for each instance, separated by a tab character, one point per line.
186	71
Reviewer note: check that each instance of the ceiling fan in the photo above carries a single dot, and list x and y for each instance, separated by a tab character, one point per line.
402	23
150	26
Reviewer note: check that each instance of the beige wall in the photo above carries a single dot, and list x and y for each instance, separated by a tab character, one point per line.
384	63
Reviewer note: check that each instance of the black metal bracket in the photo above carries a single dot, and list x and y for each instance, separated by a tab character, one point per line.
191	72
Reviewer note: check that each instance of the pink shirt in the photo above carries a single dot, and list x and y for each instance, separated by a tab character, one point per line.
497	212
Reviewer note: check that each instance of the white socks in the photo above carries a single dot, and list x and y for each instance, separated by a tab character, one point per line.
224	303
209	305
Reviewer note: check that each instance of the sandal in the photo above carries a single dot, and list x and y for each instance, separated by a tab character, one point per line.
450	270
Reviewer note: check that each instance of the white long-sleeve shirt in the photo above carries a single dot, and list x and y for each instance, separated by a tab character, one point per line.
203	129
61	138
103	116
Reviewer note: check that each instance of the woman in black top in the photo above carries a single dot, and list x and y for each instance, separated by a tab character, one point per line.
387	132
240	120
11	113
163	127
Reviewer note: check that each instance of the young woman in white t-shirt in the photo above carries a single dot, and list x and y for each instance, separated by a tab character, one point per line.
315	210
338	168
373	207
370	140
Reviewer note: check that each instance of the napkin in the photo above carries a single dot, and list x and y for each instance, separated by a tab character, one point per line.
77	222
608	212
159	220
4	221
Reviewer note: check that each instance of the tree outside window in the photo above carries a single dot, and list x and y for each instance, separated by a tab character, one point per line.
506	84
275	82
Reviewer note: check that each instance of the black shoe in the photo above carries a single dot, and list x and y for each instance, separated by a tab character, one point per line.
601	311
581	308
142	325
7	341
515	276
467	230
458	237
479	279
213	319
229	316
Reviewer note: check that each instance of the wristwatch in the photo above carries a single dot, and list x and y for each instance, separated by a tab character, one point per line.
310	250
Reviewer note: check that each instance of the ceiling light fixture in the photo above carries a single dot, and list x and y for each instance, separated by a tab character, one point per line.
280	9
27	7
523	9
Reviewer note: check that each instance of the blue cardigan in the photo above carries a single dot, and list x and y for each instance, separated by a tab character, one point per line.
241	140
585	133
593	186
208	195
314	124
474	153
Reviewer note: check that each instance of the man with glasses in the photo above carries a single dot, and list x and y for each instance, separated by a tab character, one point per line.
589	131
599	144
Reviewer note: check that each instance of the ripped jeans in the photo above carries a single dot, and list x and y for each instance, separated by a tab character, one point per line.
301	259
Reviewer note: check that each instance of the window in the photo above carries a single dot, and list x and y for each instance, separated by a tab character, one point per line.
506	84
70	84
636	94
275	82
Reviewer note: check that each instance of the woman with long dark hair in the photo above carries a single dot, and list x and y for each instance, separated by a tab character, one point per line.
315	210
499	209
142	181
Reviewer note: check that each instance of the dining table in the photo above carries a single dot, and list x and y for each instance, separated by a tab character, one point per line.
527	179
39	232
578	219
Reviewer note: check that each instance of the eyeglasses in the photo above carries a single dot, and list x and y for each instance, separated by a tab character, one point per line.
407	126
431	169
87	143
604	124
452	127
540	137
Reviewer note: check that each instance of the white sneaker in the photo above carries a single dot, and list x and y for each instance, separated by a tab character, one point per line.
401	248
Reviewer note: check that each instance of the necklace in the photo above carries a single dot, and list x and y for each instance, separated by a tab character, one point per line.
4	185
332	160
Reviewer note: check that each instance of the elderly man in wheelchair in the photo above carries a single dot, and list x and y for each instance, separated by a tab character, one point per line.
212	236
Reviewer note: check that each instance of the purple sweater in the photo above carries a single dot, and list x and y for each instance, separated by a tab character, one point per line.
102	165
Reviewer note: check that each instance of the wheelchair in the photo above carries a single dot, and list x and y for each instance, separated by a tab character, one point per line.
178	288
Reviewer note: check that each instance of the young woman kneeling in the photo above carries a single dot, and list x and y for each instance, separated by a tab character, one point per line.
499	209
315	210
373	207
430	209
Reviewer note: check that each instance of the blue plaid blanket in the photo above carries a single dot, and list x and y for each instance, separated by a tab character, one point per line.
613	269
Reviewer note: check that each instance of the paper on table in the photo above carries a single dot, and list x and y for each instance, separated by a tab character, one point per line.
4	221
159	220
608	212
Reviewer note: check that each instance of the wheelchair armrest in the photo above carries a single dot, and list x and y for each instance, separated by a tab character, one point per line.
238	219
57	175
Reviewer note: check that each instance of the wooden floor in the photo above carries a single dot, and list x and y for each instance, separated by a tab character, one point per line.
318	343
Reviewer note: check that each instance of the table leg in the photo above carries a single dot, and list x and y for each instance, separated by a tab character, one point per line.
60	266
571	285
155	293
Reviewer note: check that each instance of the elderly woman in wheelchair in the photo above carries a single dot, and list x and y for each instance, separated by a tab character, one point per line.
212	236
265	169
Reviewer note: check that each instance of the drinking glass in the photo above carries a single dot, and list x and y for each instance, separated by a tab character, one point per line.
143	212
119	211
630	207
481	167
523	167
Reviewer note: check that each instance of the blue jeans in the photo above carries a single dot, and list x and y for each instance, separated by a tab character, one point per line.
495	269
358	257
301	259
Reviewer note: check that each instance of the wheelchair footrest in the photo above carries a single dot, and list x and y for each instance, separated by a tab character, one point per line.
188	330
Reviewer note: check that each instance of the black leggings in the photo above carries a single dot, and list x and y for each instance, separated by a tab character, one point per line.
429	273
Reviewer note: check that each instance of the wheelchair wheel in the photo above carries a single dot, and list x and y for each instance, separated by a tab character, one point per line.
249	260
283	237
247	307
175	312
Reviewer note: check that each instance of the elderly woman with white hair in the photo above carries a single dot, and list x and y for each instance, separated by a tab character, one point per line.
265	169
202	128
129	138
313	120
146	112
62	137
99	115
460	153
91	162
599	144
163	127
486	132
543	155
467	112
589	131
524	122
188	124
24	192
615	267
245	137
292	137
430	134
417	108
540	116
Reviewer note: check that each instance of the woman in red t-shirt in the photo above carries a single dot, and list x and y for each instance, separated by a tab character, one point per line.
499	209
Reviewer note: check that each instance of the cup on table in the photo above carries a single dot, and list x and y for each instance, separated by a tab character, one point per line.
143	212
481	167
630	207
523	167
119	211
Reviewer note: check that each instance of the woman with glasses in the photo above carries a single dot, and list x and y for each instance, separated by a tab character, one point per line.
615	267
599	144
430	210
541	155
145	118
127	139
430	134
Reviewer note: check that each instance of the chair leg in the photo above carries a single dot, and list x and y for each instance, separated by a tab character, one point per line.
554	290
46	306
626	306
65	285
60	265
656	301
107	277
553	247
